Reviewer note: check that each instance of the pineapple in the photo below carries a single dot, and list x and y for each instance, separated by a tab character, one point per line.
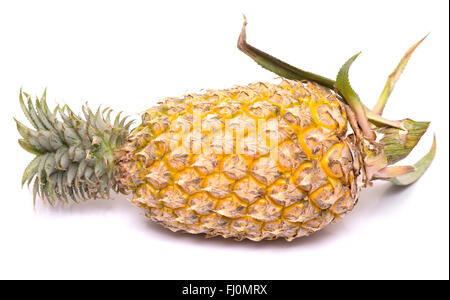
263	161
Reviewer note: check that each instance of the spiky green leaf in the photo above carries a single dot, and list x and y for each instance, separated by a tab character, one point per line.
30	170
344	87
29	147
71	173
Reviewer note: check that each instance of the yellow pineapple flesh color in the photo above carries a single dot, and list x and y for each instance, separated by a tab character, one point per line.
263	161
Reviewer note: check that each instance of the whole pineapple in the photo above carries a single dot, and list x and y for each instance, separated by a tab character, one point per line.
260	162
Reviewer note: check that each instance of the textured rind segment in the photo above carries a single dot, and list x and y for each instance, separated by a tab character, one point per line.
313	178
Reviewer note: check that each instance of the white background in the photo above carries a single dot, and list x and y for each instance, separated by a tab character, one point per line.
129	54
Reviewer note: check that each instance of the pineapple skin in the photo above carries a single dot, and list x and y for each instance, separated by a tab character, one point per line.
294	167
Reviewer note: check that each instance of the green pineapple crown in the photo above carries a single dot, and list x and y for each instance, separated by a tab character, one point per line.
74	154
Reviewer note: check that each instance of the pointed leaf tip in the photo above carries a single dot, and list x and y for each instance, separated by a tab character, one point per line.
394	77
419	168
276	65
352	98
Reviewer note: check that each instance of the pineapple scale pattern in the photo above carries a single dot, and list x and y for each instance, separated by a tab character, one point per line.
264	161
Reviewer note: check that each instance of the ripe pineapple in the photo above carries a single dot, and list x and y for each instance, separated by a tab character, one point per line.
262	161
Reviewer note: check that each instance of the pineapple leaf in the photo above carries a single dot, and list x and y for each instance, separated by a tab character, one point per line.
58	155
35	191
277	66
71	173
71	137
33	113
29	147
344	87
55	141
42	116
99	168
81	167
399	143
88	173
50	188
392	79
50	116
30	170
113	140
60	186
81	191
43	139
25	110
23	130
79	154
72	195
117	119
418	168
49	166
390	172
41	171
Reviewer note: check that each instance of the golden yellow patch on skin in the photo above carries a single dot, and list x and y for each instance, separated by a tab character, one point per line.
248	189
236	166
231	207
179	158
323	196
265	170
218	185
201	203
309	177
343	204
264	210
319	222
284	193
207	163
298	115
158	175
189	180
173	197
246	224
290	155
301	212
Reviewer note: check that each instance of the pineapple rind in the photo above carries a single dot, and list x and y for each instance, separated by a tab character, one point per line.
235	187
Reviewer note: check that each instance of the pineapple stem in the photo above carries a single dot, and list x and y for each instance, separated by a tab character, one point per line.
74	154
393	78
